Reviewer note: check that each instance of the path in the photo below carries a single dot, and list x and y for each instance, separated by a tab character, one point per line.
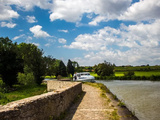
92	106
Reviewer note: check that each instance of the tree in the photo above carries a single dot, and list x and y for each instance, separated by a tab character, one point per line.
104	69
62	69
76	66
10	61
33	59
49	65
70	67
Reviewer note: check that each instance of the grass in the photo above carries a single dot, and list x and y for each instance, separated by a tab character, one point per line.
119	73
114	116
93	74
121	104
137	73
98	85
22	92
140	73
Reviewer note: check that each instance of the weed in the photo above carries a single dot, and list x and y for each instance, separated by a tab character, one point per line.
121	104
114	115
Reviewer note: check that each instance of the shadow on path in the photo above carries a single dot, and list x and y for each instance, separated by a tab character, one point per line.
74	106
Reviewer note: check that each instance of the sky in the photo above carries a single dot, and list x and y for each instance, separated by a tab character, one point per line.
123	32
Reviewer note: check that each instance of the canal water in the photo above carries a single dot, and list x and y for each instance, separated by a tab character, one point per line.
141	97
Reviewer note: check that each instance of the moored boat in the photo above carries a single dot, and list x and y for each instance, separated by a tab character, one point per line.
84	77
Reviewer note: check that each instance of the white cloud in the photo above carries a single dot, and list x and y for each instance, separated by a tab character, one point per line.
73	10
97	20
6	13
134	44
62	40
31	19
47	45
28	4
9	25
65	31
37	44
36	30
142	10
28	39
17	37
96	41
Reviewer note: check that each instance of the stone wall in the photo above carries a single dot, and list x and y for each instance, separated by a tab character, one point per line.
42	107
58	85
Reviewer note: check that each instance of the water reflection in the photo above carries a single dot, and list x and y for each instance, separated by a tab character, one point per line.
142	97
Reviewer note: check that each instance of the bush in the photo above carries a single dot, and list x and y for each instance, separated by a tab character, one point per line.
2	86
3	99
27	79
59	77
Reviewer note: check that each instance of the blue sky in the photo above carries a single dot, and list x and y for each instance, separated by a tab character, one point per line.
124	32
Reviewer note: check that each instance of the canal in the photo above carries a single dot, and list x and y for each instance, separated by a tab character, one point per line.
140	97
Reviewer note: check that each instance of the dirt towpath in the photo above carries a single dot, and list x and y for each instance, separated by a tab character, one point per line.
91	106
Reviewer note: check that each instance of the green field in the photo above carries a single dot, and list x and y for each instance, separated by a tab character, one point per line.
93	74
137	73
140	73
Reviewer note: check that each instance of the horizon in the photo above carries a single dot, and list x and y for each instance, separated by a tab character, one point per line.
122	32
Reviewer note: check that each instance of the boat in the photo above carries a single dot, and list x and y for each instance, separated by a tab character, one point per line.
83	77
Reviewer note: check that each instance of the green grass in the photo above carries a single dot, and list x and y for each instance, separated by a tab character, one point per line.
149	73
119	73
50	77
140	73
93	74
22	92
137	73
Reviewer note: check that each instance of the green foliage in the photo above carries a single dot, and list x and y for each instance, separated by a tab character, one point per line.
22	91
62	69
33	59
50	65
26	79
3	99
104	69
10	61
70	68
50	77
2	86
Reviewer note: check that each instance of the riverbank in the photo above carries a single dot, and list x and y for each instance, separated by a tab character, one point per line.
94	103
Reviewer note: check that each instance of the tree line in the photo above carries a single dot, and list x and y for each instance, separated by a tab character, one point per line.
24	63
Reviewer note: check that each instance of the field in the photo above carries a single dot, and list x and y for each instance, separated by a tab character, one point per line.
93	74
140	73
137	73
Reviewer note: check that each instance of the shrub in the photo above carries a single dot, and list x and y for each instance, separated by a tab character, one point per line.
3	99
26	79
59	77
2	86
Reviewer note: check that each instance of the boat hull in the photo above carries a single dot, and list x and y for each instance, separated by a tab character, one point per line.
85	80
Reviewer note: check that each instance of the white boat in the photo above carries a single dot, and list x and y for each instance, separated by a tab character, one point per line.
84	77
